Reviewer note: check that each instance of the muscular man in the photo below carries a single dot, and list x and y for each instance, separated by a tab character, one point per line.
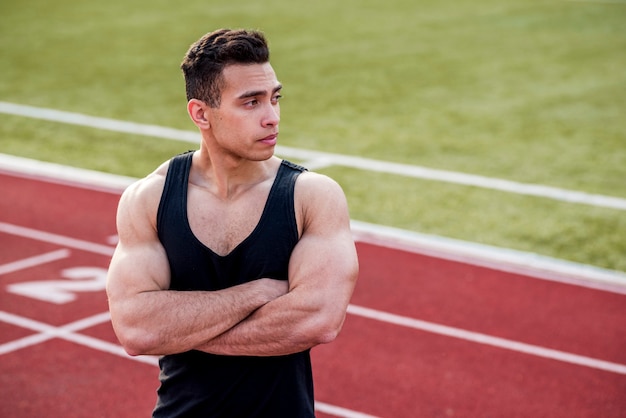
232	263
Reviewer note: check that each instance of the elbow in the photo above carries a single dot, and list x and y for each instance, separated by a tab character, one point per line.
133	349
133	334
139	347
326	330
328	337
137	342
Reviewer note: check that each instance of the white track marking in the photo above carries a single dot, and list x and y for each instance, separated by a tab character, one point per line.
484	339
78	279
34	261
407	170
317	163
395	238
56	239
328	158
339	412
501	259
66	332
98	122
408	322
517	262
476	254
63	174
46	332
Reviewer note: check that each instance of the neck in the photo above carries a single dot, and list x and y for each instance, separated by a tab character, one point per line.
227	176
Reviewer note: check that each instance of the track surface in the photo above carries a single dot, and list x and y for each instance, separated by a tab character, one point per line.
510	345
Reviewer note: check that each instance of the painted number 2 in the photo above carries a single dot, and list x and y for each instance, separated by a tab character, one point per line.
80	279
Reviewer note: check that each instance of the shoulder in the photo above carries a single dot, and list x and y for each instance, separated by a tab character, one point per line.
314	185
142	197
143	188
320	198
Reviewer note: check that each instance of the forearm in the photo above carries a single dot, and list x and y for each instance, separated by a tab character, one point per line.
283	326
165	322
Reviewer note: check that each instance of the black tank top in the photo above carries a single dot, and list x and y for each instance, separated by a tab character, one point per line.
197	384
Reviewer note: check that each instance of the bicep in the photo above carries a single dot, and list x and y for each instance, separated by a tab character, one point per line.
137	268
139	263
325	261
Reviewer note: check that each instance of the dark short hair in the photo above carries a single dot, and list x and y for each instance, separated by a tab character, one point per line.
206	59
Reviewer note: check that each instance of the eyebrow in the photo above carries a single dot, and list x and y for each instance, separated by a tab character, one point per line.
254	93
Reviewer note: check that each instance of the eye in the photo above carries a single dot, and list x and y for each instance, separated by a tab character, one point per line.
276	98
251	103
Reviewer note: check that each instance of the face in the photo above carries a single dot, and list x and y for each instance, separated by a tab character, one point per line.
246	123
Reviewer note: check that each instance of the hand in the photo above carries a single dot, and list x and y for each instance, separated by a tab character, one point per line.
273	288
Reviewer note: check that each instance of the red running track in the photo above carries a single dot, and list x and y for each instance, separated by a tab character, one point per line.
61	359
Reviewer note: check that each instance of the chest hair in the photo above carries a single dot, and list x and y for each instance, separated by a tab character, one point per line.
222	224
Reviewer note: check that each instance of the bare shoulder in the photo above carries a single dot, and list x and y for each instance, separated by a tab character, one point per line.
140	201
311	184
319	198
146	188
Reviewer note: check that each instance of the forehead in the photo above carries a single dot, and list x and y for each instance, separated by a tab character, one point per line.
239	79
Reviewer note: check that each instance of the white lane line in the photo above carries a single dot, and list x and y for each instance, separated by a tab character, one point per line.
97	122
63	174
317	164
56	239
406	170
24	342
527	264
328	158
378	315
484	339
46	332
409	322
66	332
339	412
501	259
34	261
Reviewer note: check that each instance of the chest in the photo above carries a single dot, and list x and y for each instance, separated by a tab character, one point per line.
222	224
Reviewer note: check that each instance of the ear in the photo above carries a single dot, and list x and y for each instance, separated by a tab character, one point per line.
197	110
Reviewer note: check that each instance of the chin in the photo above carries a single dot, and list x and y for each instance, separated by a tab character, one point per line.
264	156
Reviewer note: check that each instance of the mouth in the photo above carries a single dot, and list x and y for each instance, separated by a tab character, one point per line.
270	139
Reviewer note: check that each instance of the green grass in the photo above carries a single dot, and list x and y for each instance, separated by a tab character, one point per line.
523	222
532	91
130	155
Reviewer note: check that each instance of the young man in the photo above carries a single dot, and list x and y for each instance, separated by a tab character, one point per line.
232	263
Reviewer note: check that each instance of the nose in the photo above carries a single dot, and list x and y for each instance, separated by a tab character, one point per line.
271	117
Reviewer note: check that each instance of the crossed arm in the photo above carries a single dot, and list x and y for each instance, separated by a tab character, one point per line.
262	317
322	274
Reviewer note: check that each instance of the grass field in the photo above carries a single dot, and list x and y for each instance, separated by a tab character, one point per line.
531	91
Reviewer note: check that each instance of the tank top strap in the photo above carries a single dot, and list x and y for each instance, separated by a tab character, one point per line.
286	178
174	196
294	166
282	191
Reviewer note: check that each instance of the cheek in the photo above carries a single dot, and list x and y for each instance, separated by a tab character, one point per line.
230	129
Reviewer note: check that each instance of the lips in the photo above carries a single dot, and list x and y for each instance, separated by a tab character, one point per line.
270	139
